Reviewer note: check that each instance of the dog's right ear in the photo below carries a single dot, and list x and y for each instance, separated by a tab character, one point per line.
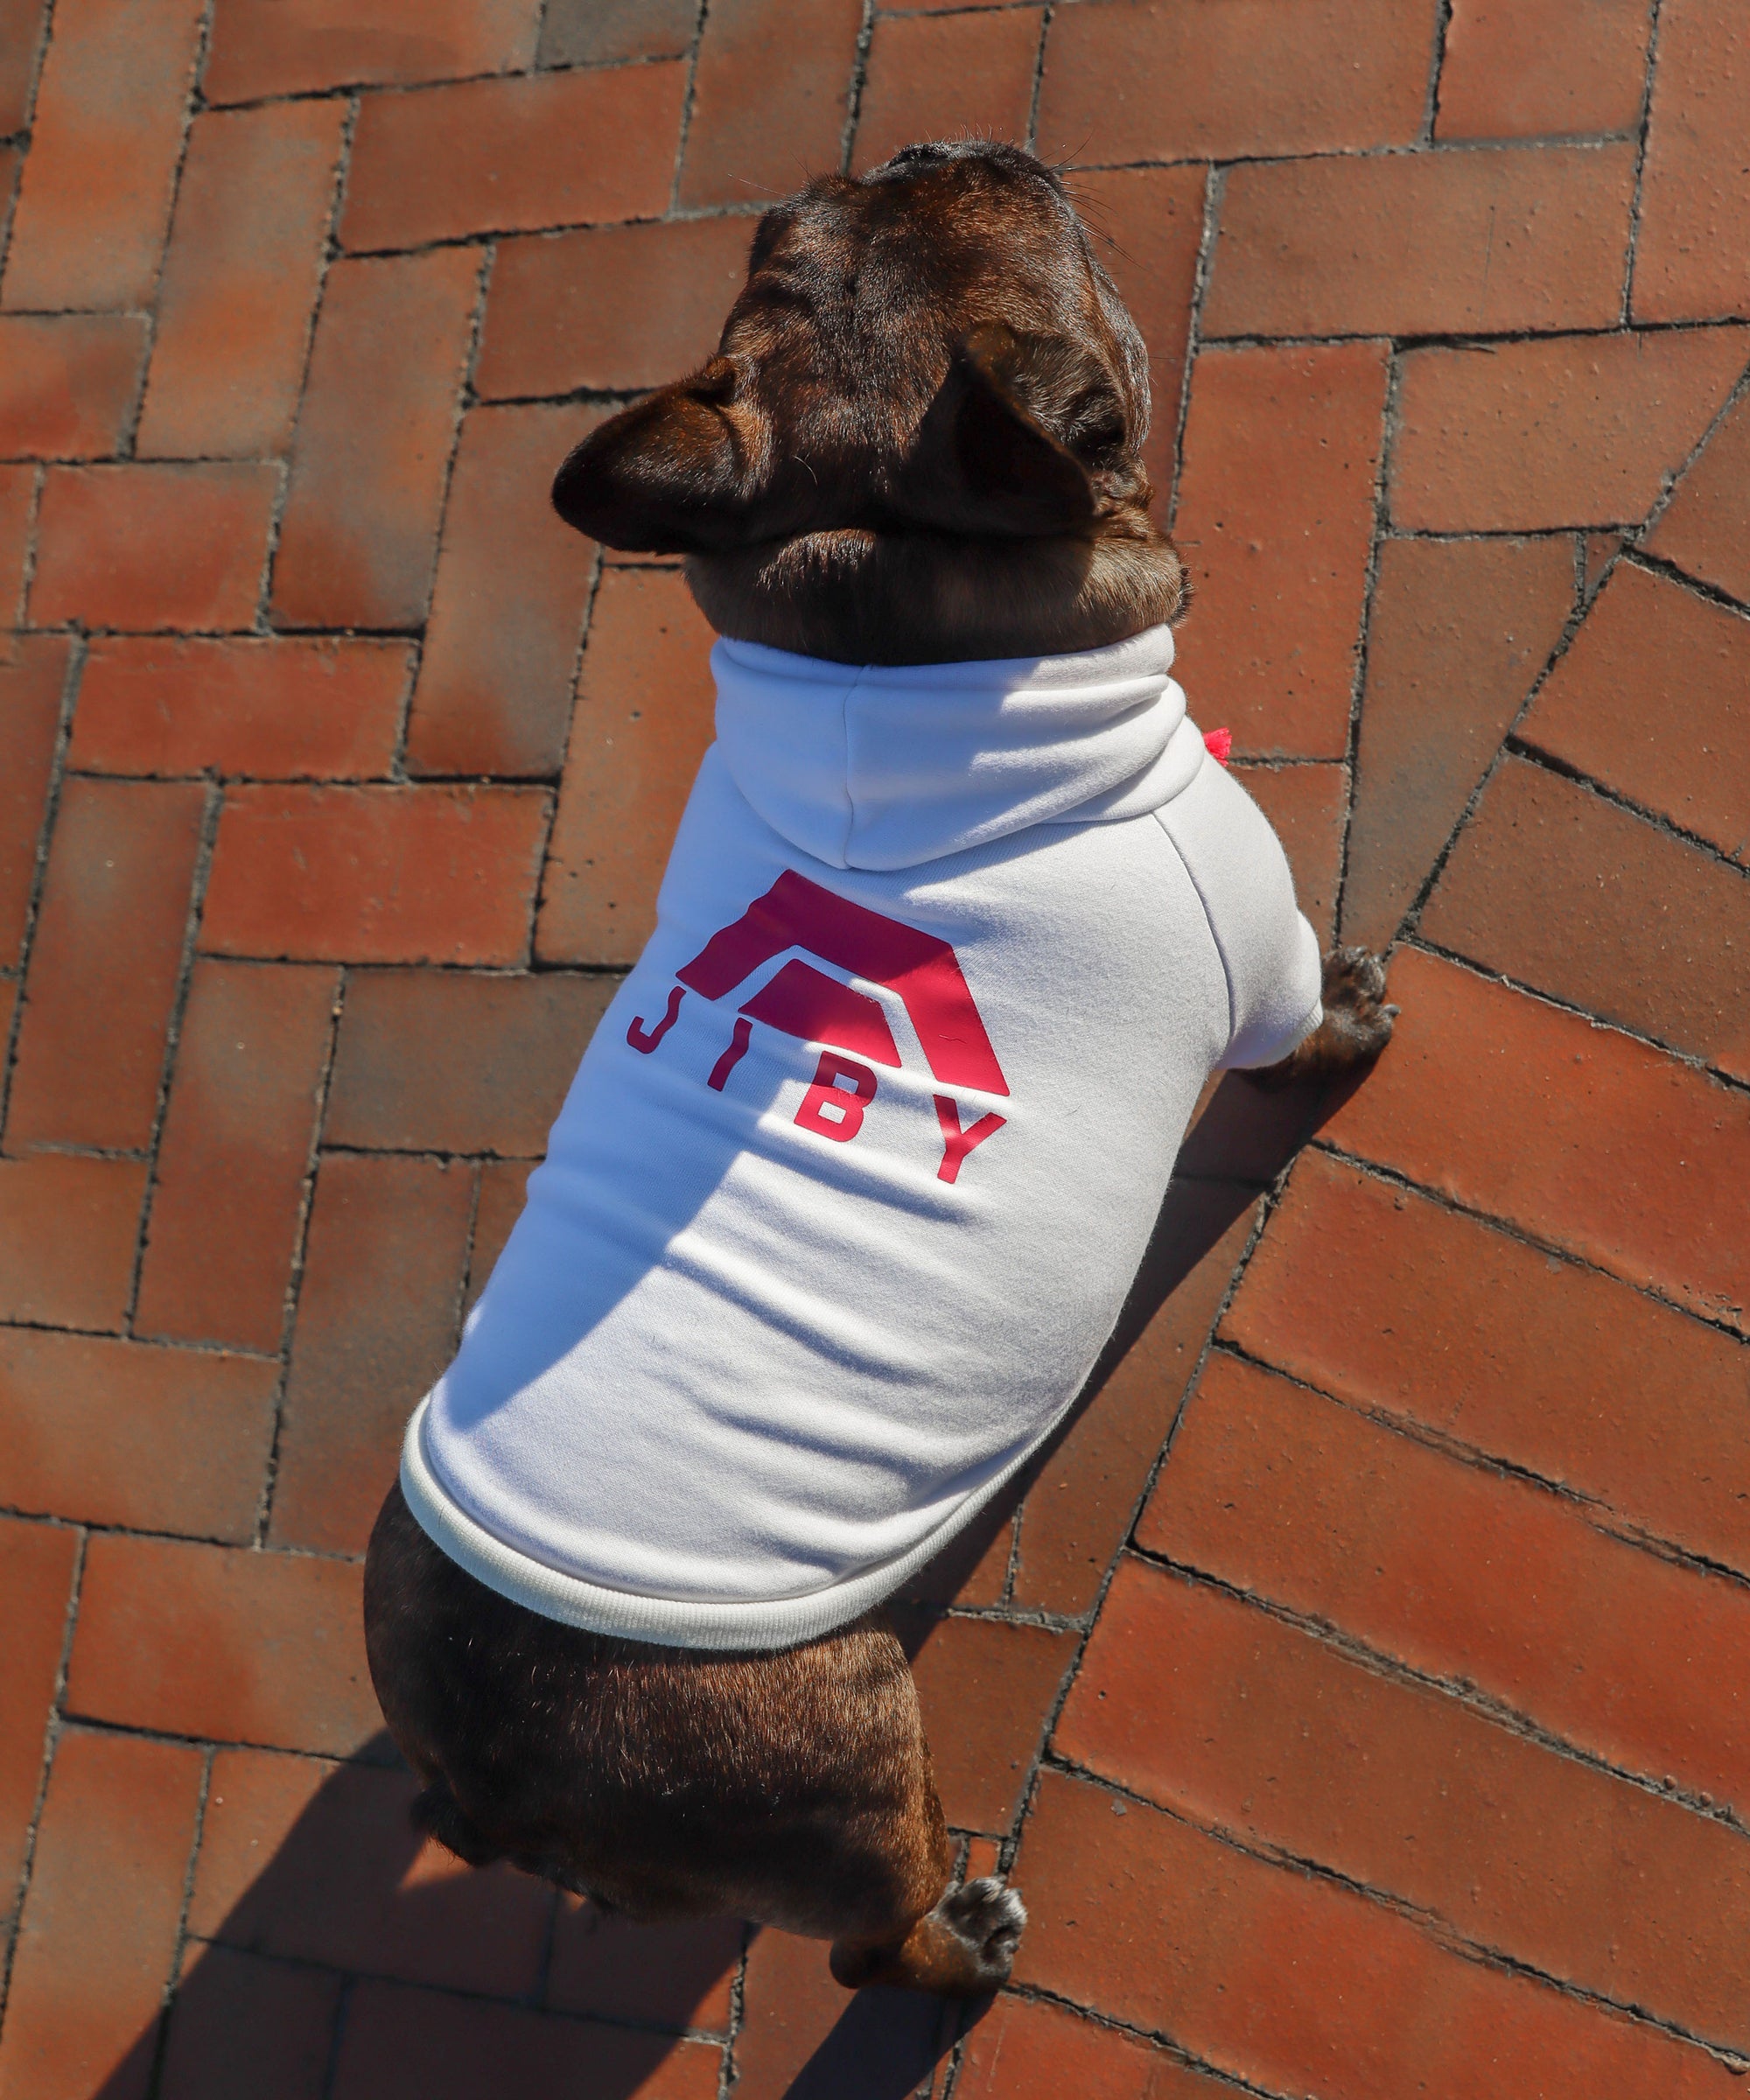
681	472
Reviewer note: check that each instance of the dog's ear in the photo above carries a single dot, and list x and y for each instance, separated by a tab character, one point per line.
1006	447
680	473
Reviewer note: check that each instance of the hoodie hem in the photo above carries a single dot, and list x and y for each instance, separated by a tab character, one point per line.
730	1624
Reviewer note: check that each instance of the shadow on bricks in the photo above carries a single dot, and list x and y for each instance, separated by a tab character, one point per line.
1237	1146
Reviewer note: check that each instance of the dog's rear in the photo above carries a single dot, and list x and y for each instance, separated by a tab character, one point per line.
919	443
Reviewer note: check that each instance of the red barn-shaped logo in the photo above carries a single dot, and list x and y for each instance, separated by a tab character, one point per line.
804	1002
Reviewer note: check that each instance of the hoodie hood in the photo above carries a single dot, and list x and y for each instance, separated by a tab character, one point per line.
883	765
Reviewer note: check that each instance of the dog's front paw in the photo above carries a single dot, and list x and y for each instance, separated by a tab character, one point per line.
990	1920
1353	993
1357	1025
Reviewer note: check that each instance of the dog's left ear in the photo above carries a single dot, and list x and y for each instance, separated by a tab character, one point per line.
1010	445
682	472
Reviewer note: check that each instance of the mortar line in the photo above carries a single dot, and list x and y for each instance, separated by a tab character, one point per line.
1432	1924
1382	473
1643	132
52	1732
1594	1510
1522	1235
300	1255
22	138
1529	751
207	838
685	132
1436	66
330	251
172	1987
1030	141
1214	188
859	75
33	904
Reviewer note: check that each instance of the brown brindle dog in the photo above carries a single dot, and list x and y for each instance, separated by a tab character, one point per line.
918	442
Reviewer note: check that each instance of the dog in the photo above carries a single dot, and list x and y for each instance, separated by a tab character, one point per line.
822	1253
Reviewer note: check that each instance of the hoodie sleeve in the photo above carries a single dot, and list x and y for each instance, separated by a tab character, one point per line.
1269	952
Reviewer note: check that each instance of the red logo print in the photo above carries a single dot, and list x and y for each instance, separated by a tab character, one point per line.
801	1001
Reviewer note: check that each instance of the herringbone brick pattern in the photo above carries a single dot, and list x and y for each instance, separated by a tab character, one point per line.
1361	1694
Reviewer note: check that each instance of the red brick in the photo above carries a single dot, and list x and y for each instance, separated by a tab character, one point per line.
147	547
236	1646
1567	431
1404	1308
948	76
664	1976
495	677
1601	709
1538	68
641	724
67	382
1459	1571
1147	228
245	2025
1030	2049
421	2045
596	32
1692	259
109	941
235	1153
376	1324
292	708
557	149
311	1861
1581	1137
105	139
114	1433
1306	806
1275	518
31	690
240	282
22	23
1144	79
375	874
1081	1506
17	510
1229	1716
435	1061
1297	1984
1560	890
1706	529
99	1932
1459	631
374	435
264	47
504	1184
36	1574
800	2035
987	1687
613	307
771	97
1423	244
68	1228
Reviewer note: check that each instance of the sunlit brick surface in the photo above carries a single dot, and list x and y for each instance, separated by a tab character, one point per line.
1359	1690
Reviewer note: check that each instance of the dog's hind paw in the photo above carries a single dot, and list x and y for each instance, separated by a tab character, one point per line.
990	1920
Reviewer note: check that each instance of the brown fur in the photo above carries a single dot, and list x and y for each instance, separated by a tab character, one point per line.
918	442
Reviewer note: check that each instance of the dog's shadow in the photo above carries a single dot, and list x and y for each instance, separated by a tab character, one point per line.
353	1962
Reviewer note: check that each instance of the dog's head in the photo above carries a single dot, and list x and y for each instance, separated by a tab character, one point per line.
919	436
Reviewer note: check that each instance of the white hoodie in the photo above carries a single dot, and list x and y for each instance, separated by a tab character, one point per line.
854	1177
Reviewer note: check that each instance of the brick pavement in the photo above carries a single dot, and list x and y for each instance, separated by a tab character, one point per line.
1359	1692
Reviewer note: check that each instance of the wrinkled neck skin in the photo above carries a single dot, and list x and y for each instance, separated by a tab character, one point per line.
862	596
